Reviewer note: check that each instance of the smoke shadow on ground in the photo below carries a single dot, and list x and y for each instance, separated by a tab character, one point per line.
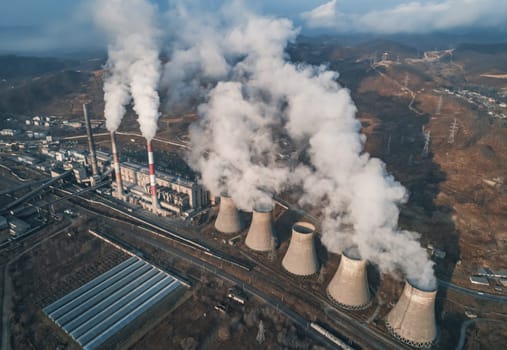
283	225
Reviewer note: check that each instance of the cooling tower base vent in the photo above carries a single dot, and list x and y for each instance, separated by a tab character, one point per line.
347	307
301	277
417	345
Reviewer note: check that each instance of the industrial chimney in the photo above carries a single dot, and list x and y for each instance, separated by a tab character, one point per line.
153	181
91	144
260	235
228	220
117	171
412	320
301	257
349	286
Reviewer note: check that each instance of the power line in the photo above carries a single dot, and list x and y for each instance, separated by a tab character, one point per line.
452	131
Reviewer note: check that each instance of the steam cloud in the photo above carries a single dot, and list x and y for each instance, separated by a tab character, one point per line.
256	91
133	66
411	17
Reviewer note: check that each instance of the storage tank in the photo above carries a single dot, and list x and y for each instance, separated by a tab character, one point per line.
260	234
349	285
228	220
412	319
301	257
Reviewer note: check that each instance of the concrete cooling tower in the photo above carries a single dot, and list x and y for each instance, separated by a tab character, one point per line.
260	235
301	257
349	286
228	220
412	320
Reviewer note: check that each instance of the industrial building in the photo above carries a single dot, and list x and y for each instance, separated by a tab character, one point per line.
301	257
412	319
173	193
95	314
349	286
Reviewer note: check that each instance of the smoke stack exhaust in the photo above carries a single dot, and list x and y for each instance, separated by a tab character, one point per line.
117	171
349	286
301	257
260	234
153	181
91	144
412	320
228	220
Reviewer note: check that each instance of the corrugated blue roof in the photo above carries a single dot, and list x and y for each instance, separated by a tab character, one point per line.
99	309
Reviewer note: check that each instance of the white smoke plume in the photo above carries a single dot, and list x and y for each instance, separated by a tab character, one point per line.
234	145
133	66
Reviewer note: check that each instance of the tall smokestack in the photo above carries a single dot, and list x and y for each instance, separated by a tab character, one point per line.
260	234
228	220
117	170
301	257
349	286
153	181
412	320
91	144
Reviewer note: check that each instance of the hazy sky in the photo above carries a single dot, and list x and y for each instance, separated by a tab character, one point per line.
45	25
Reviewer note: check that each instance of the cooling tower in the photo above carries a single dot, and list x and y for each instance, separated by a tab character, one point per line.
349	286
91	144
153	181
412	320
260	234
301	257
228	220
117	172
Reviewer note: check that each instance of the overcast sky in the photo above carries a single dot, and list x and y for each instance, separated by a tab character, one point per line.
38	25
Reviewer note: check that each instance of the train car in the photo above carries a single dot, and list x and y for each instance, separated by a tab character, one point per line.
331	337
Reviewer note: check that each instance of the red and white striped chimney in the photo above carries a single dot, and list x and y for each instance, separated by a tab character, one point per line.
117	171
153	182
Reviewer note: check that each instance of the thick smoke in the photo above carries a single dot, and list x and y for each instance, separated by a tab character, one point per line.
133	66
234	148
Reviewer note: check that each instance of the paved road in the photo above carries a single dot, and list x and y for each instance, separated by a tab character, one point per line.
473	292
465	325
132	134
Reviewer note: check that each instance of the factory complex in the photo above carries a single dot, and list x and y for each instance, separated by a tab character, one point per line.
94	313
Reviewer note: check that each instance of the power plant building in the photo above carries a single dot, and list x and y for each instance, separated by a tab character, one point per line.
301	257
349	286
412	319
174	194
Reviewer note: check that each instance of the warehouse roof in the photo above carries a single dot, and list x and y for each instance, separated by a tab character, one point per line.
102	307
